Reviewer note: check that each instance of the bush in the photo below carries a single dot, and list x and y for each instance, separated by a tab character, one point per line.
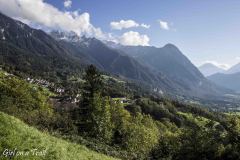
25	101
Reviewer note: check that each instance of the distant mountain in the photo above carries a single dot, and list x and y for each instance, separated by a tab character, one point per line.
234	69
35	52
230	81
115	61
170	61
208	69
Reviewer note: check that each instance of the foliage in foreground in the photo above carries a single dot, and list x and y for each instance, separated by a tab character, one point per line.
15	134
148	128
26	101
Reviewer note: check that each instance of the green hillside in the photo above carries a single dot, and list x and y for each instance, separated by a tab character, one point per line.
16	134
147	127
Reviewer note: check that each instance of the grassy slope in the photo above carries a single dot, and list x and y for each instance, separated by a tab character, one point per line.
15	134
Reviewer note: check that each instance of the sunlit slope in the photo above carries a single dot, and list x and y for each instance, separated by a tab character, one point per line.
16	134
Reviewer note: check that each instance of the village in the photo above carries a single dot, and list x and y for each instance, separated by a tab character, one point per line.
63	101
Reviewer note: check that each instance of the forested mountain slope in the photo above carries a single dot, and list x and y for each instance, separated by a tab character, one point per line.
170	61
32	51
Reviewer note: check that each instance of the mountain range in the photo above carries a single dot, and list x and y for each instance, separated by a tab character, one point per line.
34	52
172	63
225	78
234	69
208	69
60	54
230	81
113	61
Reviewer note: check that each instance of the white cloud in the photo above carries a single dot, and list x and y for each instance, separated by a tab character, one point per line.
67	3
133	39
42	13
220	65
163	25
123	24
38	13
145	25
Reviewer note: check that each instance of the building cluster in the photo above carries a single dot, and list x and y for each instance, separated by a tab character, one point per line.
44	83
41	82
122	100
157	90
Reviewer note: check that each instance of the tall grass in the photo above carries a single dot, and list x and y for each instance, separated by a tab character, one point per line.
14	134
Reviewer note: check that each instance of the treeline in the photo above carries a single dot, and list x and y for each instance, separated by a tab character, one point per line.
148	128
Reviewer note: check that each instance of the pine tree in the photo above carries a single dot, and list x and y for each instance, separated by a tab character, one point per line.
92	86
94	112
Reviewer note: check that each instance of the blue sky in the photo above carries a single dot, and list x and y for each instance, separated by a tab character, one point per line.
203	30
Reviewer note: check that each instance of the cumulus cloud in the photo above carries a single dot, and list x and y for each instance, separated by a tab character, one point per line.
42	13
67	3
133	39
38	13
220	65
124	24
163	25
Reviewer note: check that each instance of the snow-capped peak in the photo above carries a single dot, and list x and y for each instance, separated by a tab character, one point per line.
67	36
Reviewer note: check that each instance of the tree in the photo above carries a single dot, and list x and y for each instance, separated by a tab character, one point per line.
91	87
167	147
233	139
102	125
201	142
120	118
94	110
141	135
93	82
